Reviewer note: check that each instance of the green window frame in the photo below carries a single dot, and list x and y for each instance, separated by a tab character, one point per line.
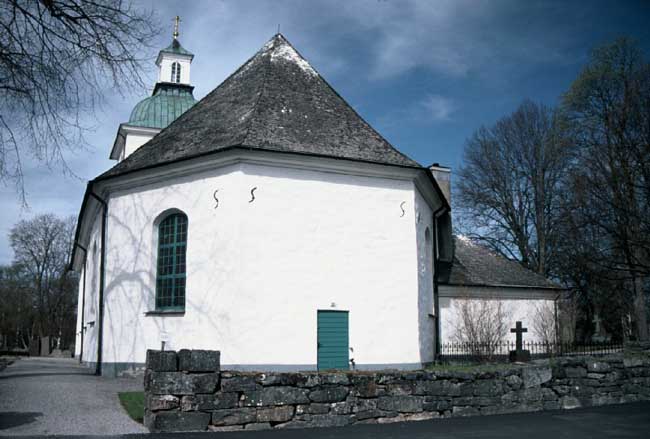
171	264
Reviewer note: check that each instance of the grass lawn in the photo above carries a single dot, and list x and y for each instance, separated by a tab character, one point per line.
133	403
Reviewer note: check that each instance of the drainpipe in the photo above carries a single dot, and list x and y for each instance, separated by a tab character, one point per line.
83	301
102	257
436	302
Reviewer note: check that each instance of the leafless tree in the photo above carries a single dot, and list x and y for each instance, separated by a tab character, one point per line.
57	58
608	107
42	249
481	323
543	323
17	314
511	181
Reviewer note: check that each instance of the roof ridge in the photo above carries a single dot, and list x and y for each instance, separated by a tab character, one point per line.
255	109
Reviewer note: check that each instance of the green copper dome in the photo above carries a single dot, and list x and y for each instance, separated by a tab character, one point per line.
166	104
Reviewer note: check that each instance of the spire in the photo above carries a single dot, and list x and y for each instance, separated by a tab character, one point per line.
177	21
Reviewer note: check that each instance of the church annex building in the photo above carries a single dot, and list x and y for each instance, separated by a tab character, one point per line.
268	221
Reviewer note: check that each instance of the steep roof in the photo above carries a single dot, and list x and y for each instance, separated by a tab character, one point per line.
476	265
276	102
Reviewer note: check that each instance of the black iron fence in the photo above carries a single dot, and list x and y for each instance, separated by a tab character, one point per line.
499	351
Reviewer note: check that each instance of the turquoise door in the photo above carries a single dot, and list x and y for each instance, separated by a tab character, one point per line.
333	344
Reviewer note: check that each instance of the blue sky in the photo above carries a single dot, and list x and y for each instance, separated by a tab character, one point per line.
424	73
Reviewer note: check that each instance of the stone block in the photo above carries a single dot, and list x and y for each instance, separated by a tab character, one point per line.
312	409
288	379
604	399
535	376
488	388
225	428
464	411
258	426
570	402
368	414
329	394
633	362
172	421
598	366
530	395
551	405
275	414
575	372
197	360
548	394
239	383
514	382
161	402
595	376
402	404
233	416
442	388
209	402
562	390
161	361
341	408
402	388
365	386
463	400
317	421
334	378
510	397
484	401
436	405
179	383
276	395
360	405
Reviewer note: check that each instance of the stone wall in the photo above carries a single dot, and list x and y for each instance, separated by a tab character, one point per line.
187	391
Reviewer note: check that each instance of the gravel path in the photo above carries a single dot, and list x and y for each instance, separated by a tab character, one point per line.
47	396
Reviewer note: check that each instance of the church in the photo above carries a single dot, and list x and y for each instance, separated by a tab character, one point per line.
268	220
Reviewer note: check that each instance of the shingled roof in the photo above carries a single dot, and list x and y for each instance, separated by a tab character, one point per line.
275	102
476	265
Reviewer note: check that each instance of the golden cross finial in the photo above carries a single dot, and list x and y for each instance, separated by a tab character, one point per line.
177	21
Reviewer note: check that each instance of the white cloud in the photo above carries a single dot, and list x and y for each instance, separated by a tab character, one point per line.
438	108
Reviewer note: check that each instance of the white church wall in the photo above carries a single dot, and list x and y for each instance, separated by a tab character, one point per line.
134	141
424	240
257	272
523	305
91	291
78	327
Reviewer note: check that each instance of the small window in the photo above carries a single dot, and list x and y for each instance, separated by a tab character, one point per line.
176	72
170	276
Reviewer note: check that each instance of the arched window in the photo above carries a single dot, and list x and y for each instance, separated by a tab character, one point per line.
176	72
170	275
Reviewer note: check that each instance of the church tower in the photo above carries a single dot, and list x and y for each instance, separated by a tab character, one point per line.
171	97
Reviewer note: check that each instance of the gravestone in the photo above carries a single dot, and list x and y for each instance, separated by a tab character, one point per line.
34	347
45	346
519	354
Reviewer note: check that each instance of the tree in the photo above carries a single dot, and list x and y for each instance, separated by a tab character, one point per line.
42	249
544	324
56	59
482	324
511	183
16	309
608	107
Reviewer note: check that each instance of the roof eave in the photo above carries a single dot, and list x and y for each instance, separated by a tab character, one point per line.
484	285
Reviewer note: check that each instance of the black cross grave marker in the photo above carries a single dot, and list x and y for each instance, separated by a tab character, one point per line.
519	330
